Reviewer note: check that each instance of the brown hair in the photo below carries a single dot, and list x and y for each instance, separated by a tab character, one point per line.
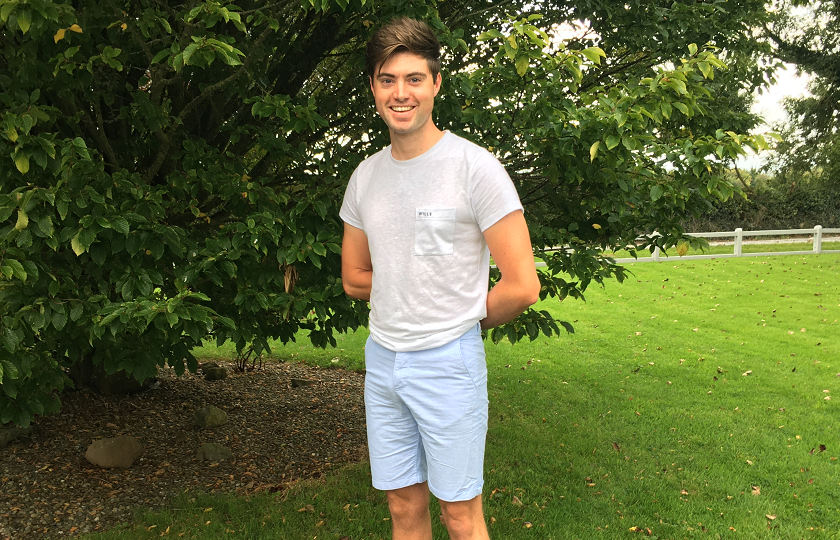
403	35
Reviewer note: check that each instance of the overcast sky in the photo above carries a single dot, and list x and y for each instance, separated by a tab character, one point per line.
769	106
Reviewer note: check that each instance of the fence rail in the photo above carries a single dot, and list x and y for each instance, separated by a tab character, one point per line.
738	234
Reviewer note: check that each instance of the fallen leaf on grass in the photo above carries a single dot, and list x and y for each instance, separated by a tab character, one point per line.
771	517
747	373
684	492
822	448
527	524
756	490
617	448
308	508
516	501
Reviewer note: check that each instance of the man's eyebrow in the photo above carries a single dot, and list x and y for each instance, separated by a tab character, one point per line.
392	76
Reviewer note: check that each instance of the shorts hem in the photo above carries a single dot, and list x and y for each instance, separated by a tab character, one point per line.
390	486
465	495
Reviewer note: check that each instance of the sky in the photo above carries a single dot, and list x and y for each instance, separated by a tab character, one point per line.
769	106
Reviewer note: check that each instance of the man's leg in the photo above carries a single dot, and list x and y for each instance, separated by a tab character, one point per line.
465	519
410	518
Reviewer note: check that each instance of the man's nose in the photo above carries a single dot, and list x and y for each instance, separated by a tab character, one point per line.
401	90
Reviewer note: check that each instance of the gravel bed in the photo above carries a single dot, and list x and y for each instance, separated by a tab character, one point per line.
285	422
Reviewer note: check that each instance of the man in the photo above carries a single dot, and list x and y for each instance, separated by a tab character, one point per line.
419	218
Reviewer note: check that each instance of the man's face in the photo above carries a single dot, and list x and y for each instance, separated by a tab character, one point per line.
404	91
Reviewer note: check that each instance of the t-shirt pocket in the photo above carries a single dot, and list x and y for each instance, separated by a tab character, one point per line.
434	231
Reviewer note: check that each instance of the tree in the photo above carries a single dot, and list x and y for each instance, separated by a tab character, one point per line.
173	172
807	34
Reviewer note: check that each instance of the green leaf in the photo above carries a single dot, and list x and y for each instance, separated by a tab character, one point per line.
682	108
9	369
692	48
76	245
24	18
161	55
22	162
594	54
59	319
17	269
6	10
655	192
76	311
120	224
593	150
22	220
612	141
522	63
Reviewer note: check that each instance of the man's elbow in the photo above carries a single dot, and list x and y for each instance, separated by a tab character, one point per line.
531	294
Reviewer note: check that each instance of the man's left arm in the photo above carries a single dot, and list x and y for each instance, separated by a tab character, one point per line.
510	246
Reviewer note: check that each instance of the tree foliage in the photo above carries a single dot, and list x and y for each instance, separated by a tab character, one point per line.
172	172
807	34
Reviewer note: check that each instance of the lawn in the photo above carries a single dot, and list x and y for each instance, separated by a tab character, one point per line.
696	400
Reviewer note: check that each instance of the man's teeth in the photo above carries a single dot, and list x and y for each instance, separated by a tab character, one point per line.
401	109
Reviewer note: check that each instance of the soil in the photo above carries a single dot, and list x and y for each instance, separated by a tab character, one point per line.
285	422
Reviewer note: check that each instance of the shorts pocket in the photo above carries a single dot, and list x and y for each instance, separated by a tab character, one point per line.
434	231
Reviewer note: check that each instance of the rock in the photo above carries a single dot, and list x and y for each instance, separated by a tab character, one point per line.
210	416
208	365
120	451
10	433
214	373
297	383
213	452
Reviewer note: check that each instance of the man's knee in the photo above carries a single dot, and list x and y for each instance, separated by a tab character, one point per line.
464	519
410	503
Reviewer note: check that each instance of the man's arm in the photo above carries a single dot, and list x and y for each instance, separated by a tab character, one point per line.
510	246
356	268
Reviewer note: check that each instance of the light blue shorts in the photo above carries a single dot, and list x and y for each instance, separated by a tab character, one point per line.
427	417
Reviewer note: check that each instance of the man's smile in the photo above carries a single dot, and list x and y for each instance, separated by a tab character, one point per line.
402	108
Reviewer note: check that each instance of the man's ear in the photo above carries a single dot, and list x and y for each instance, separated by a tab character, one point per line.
438	81
370	79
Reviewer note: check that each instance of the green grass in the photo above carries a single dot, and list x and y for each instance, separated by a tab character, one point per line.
691	401
730	249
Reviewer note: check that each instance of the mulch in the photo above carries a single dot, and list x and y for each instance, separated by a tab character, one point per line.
285	422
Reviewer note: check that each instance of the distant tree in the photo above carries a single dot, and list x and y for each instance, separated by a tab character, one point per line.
172	172
807	34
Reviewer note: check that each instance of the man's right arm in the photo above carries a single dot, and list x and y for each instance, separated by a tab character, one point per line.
356	267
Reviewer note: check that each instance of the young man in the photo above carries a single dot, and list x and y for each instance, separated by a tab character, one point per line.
419	218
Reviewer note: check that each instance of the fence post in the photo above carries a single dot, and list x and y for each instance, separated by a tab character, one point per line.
739	239
656	254
818	239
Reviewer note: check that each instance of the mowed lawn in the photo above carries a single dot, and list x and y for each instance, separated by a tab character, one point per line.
699	399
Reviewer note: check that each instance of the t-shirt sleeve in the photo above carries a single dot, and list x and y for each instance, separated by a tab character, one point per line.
493	193
349	207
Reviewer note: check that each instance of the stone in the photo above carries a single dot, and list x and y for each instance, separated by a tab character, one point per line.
297	383
120	451
214	373
10	433
210	417
213	452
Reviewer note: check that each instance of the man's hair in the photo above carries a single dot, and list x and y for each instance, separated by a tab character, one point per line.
403	35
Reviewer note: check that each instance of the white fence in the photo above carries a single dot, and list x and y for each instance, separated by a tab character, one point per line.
738	234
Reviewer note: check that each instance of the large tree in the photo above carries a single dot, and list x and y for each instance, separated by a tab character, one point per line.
172	172
806	33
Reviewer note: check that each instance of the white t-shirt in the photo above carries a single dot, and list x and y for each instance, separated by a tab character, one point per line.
424	220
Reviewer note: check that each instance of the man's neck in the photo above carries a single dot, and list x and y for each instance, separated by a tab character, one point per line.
410	145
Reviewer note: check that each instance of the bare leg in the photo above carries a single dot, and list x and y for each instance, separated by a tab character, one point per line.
410	518
465	519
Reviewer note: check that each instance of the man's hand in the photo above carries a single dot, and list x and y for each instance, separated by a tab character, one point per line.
356	268
510	246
